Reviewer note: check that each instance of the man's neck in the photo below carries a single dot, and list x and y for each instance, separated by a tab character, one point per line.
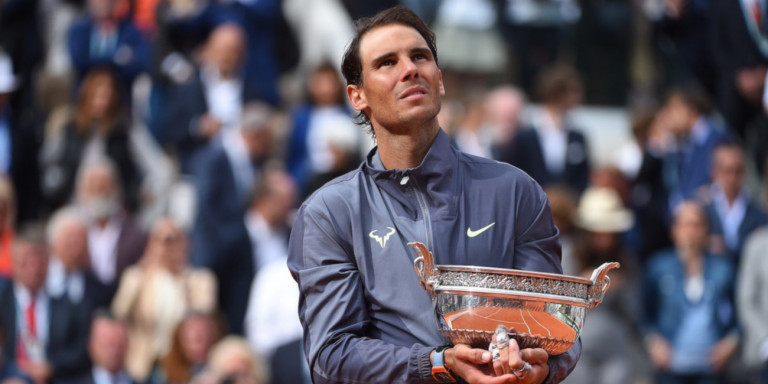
405	150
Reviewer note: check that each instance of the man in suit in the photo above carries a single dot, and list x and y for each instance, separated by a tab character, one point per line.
46	336
213	100
733	215
551	151
686	168
69	275
103	40
224	183
115	242
107	347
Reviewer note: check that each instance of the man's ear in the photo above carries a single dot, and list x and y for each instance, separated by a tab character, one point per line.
440	82
357	97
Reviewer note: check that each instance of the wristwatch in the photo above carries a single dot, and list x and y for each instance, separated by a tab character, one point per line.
440	373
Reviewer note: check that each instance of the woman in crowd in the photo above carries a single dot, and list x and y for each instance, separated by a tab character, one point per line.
156	294
100	126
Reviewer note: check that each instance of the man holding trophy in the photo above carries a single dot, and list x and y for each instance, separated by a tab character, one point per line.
365	317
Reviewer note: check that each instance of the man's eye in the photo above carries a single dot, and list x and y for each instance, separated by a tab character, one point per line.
387	63
419	56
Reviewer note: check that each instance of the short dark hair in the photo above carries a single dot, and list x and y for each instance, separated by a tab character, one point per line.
694	96
352	65
555	81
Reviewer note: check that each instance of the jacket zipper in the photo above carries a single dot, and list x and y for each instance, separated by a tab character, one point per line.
425	212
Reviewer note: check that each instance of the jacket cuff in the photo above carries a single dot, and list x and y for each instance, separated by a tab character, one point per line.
420	366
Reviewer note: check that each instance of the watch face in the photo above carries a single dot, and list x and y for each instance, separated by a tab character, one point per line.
443	377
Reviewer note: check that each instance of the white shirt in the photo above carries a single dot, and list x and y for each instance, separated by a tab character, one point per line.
224	97
731	216
330	126
270	244
102	247
553	141
59	283
101	376
272	319
35	348
240	160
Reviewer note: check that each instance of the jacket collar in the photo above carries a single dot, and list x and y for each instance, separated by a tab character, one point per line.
436	177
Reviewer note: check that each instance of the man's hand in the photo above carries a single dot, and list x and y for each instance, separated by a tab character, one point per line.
722	352
532	362
660	351
476	366
208	126
40	373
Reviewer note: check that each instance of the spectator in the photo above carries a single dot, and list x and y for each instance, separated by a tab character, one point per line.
155	295
552	151
101	127
272	323
102	39
272	319
114	240
504	106
46	336
192	342
753	306
224	182
325	110
259	20
687	168
690	327
107	347
69	276
267	220
233	361
473	135
607	337
7	221
642	164
732	213
213	100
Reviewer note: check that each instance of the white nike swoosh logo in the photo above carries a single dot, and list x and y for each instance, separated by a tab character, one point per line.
472	233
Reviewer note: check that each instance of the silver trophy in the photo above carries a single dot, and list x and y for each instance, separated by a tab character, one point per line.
541	310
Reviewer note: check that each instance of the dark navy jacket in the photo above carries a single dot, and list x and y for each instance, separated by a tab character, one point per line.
366	319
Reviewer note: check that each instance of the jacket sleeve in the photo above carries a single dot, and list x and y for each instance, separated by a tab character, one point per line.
334	311
537	249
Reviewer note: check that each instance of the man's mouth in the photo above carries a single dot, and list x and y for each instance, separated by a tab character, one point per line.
414	92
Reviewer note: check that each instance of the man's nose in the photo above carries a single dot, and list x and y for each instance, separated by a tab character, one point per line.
410	70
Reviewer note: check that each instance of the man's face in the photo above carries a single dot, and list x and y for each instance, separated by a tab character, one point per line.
197	337
70	245
30	265
728	170
108	344
679	116
401	84
689	230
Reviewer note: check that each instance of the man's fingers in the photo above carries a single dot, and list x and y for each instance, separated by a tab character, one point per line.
515	357
535	355
474	355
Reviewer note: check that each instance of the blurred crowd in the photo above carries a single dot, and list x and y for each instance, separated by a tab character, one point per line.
153	153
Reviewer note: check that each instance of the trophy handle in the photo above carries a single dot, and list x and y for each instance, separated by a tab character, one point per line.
600	283
424	265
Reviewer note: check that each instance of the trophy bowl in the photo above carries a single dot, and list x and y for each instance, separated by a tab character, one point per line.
541	310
